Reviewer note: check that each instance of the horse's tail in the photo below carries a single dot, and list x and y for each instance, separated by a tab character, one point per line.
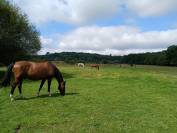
7	76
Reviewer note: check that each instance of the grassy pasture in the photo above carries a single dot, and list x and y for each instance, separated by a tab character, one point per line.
112	100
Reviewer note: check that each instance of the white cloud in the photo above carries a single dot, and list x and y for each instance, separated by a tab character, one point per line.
40	11
82	11
46	41
115	40
69	11
151	7
95	39
49	44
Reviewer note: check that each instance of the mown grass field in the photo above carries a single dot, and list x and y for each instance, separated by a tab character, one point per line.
112	100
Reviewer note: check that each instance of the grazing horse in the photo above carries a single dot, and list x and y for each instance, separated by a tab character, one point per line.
94	66
33	71
80	65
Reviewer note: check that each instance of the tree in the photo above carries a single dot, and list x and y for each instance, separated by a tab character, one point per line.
17	36
172	55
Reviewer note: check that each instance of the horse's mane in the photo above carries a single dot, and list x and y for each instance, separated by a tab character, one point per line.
58	74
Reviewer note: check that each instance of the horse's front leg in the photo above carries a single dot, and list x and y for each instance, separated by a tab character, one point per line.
42	83
49	83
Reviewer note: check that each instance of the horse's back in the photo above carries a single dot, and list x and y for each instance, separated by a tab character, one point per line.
80	64
20	68
34	70
21	64
41	70
94	65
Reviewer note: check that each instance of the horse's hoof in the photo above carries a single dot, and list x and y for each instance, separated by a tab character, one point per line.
37	94
12	99
50	95
21	96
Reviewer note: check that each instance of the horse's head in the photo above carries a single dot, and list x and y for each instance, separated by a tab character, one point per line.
61	88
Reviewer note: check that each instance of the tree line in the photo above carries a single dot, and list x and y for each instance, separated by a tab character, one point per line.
164	58
167	57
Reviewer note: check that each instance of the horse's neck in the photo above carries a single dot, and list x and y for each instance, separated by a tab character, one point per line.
59	76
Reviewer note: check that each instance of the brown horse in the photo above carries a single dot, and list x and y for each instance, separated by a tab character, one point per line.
94	66
33	71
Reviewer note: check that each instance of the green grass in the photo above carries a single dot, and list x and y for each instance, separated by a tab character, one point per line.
112	100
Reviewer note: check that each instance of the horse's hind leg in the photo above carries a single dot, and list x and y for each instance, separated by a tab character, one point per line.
13	88
49	83
20	88
42	83
12	91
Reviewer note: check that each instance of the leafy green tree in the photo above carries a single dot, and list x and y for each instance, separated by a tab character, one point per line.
172	55
17	36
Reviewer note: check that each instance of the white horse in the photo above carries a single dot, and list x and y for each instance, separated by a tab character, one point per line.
80	65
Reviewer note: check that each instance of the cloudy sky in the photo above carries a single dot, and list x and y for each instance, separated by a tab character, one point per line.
116	27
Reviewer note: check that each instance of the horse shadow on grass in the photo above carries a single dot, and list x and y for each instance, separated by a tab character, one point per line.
46	96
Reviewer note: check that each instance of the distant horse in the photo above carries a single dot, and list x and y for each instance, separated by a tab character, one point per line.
94	66
80	65
132	65
33	71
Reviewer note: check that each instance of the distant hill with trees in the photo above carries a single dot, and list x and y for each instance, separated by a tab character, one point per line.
167	57
73	57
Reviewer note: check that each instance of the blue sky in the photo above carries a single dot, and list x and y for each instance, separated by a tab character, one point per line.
115	27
